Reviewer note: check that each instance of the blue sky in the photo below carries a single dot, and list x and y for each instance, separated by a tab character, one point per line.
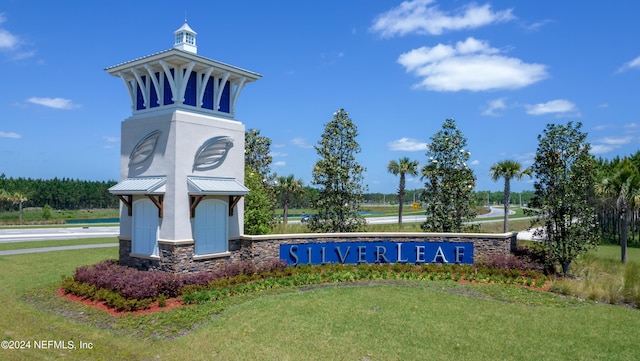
502	69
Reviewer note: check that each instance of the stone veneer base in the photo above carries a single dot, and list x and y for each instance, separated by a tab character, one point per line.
178	257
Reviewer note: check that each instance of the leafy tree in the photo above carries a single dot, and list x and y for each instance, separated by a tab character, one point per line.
623	186
449	182
507	169
258	210
46	212
257	154
340	178
287	187
402	167
564	191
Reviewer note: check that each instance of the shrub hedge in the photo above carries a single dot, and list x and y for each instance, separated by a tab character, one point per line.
128	289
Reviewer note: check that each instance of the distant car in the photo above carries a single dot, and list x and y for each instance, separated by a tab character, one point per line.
305	218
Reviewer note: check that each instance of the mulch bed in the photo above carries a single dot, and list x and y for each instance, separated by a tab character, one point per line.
176	302
171	303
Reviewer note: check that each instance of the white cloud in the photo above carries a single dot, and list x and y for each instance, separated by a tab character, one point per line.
22	55
524	156
537	25
111	139
631	127
475	162
407	144
279	164
7	40
10	135
11	44
561	106
601	149
615	140
608	144
424	17
300	142
470	65
495	105
635	63
56	103
278	154
602	127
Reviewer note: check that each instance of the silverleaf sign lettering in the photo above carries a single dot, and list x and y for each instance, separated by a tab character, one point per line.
377	252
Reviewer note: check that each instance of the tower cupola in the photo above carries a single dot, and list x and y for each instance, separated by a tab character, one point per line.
186	39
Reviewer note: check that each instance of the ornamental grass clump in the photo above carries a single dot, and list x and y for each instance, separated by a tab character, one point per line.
631	286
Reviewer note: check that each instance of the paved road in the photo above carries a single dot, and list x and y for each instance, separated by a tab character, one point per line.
60	248
46	234
496	212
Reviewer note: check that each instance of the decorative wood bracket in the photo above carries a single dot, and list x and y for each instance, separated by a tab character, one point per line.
159	202
127	202
195	200
193	203
233	201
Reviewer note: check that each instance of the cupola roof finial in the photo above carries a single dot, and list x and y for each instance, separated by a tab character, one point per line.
185	38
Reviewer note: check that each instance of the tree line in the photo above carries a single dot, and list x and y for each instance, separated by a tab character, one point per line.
618	200
73	194
62	194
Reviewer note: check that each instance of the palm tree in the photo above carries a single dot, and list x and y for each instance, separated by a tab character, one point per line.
624	187
507	169
402	167
19	198
4	196
288	186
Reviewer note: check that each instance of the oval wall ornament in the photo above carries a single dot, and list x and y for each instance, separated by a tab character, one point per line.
212	153
145	148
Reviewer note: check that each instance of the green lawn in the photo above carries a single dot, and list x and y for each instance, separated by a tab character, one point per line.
382	321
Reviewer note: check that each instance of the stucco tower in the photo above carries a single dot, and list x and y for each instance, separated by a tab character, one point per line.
182	156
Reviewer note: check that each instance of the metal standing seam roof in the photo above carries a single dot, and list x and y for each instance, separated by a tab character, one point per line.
174	54
216	185
140	185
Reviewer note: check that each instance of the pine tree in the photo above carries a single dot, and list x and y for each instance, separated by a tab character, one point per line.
449	182
340	178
